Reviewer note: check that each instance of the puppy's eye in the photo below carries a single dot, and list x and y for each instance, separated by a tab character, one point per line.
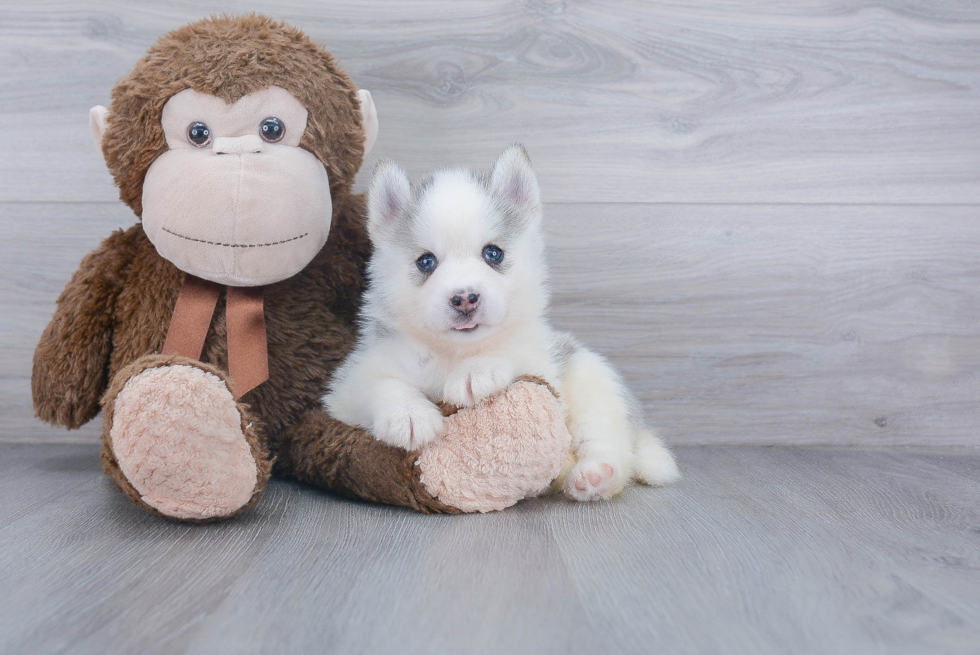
272	129
492	254
426	263
199	134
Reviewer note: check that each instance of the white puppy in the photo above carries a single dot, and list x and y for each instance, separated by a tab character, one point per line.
455	310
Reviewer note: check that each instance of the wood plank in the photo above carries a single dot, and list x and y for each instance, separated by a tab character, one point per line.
734	324
393	582
863	544
757	550
824	101
818	324
32	475
111	578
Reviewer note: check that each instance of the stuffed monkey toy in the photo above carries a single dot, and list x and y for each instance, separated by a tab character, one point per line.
207	331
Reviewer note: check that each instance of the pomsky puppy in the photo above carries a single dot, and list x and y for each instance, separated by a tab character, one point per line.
456	309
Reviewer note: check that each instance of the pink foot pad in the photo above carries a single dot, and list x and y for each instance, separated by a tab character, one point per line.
593	480
508	447
177	436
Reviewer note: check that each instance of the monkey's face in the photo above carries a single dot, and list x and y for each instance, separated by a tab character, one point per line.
234	199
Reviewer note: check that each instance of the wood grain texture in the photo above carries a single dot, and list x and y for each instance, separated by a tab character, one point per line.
756	551
822	324
733	324
736	319
619	101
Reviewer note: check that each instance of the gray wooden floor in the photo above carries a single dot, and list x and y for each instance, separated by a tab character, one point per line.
758	550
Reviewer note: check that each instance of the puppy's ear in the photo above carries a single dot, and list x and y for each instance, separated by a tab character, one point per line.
388	197
513	180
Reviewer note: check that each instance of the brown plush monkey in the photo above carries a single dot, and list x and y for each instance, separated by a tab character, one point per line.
208	331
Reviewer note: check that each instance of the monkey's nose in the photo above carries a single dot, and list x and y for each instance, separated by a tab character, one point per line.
237	145
465	303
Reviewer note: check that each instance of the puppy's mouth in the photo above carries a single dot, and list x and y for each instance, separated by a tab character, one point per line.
468	326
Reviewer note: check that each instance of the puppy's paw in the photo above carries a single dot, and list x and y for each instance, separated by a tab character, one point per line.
476	379
410	425
593	479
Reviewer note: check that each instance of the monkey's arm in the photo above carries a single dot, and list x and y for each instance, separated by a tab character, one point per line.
492	455
71	361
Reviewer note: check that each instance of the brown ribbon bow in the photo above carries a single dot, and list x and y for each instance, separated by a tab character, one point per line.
248	356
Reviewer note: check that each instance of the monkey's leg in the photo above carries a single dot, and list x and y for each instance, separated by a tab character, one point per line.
177	443
508	447
327	453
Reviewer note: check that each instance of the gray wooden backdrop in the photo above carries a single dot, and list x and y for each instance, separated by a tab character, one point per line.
766	215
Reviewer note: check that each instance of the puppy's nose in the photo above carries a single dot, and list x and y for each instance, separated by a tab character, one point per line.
465	302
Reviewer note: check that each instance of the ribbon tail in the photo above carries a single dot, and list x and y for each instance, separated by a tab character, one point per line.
248	354
191	318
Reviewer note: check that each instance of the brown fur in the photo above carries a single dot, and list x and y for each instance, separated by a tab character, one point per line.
115	311
230	57
350	461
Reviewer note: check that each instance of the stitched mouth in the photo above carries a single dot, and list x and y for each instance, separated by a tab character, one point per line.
234	245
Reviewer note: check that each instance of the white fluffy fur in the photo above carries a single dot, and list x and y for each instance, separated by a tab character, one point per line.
411	353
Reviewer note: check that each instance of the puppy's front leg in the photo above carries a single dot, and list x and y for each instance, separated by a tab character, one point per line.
475	379
402	416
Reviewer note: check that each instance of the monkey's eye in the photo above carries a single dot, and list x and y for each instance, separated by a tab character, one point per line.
426	263
492	254
199	134
272	129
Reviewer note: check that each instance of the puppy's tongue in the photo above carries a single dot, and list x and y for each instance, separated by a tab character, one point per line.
465	326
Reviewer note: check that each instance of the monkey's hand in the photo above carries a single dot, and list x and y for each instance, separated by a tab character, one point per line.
71	360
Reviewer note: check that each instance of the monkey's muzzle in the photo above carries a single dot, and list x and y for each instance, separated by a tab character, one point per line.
242	216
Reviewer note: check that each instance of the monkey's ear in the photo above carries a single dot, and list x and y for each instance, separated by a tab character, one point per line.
97	117
388	196
513	179
369	119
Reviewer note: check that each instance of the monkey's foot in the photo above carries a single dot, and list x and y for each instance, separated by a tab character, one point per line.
178	444
510	446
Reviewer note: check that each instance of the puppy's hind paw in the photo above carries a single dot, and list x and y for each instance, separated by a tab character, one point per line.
593	480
